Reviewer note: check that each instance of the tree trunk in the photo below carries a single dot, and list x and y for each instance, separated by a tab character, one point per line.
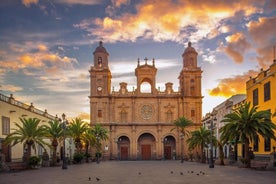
28	155
202	153
55	156
221	155
246	153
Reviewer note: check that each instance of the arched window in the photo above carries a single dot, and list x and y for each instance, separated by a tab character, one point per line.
192	87
100	61
145	87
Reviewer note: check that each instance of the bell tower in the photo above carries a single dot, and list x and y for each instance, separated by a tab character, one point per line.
190	84
190	76
146	73
100	75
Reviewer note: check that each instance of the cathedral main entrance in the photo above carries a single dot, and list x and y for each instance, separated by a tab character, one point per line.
169	147
123	148
146	147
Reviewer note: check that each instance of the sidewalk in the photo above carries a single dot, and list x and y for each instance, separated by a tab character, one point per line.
140	172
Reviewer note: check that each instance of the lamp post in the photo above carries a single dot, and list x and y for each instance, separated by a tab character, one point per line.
98	151
64	161
211	163
182	156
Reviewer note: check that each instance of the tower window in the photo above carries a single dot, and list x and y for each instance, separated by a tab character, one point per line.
100	114
192	113
100	61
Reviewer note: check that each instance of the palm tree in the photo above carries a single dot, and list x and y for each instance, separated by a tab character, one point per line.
199	138
181	124
30	134
101	134
244	124
220	144
77	129
54	132
89	139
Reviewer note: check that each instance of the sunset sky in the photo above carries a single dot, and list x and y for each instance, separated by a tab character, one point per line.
46	46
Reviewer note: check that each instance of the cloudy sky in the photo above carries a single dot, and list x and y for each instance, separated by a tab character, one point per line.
46	46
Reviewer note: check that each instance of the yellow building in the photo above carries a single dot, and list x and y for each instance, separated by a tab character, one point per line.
261	91
10	112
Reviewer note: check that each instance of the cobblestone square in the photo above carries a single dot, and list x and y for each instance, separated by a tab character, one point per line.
140	172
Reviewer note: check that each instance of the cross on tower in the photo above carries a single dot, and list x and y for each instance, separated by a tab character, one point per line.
146	59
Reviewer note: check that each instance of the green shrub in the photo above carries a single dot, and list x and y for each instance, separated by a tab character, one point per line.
34	161
78	157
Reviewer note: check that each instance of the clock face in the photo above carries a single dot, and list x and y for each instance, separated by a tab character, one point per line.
99	88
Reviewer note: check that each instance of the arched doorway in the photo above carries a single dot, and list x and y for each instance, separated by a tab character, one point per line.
147	147
169	148
123	148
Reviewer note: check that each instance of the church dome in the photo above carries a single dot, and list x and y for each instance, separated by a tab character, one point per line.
100	48
189	48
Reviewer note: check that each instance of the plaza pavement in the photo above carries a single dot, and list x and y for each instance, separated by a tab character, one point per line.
140	172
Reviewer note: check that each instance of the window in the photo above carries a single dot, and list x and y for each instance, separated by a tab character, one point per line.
255	97
100	115
100	61
267	91
256	143
267	144
169	116
192	113
123	116
5	125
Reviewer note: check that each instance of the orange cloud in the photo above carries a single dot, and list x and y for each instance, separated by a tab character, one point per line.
167	20
28	3
36	56
42	47
11	88
237	45
118	3
233	85
263	33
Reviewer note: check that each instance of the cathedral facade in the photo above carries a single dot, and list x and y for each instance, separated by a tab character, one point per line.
140	124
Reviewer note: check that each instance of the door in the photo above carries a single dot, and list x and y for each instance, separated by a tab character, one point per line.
146	152
168	152
124	153
6	150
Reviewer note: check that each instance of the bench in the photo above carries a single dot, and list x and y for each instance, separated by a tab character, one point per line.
258	165
15	166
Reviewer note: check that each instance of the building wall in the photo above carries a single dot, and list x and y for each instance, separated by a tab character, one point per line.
226	107
257	83
13	110
141	122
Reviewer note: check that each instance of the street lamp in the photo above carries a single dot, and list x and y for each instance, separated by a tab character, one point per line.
98	151
182	137
64	161
211	163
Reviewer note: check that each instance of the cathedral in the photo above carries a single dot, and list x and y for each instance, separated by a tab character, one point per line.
140	124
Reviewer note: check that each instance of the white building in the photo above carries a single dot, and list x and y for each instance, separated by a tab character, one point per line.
217	115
